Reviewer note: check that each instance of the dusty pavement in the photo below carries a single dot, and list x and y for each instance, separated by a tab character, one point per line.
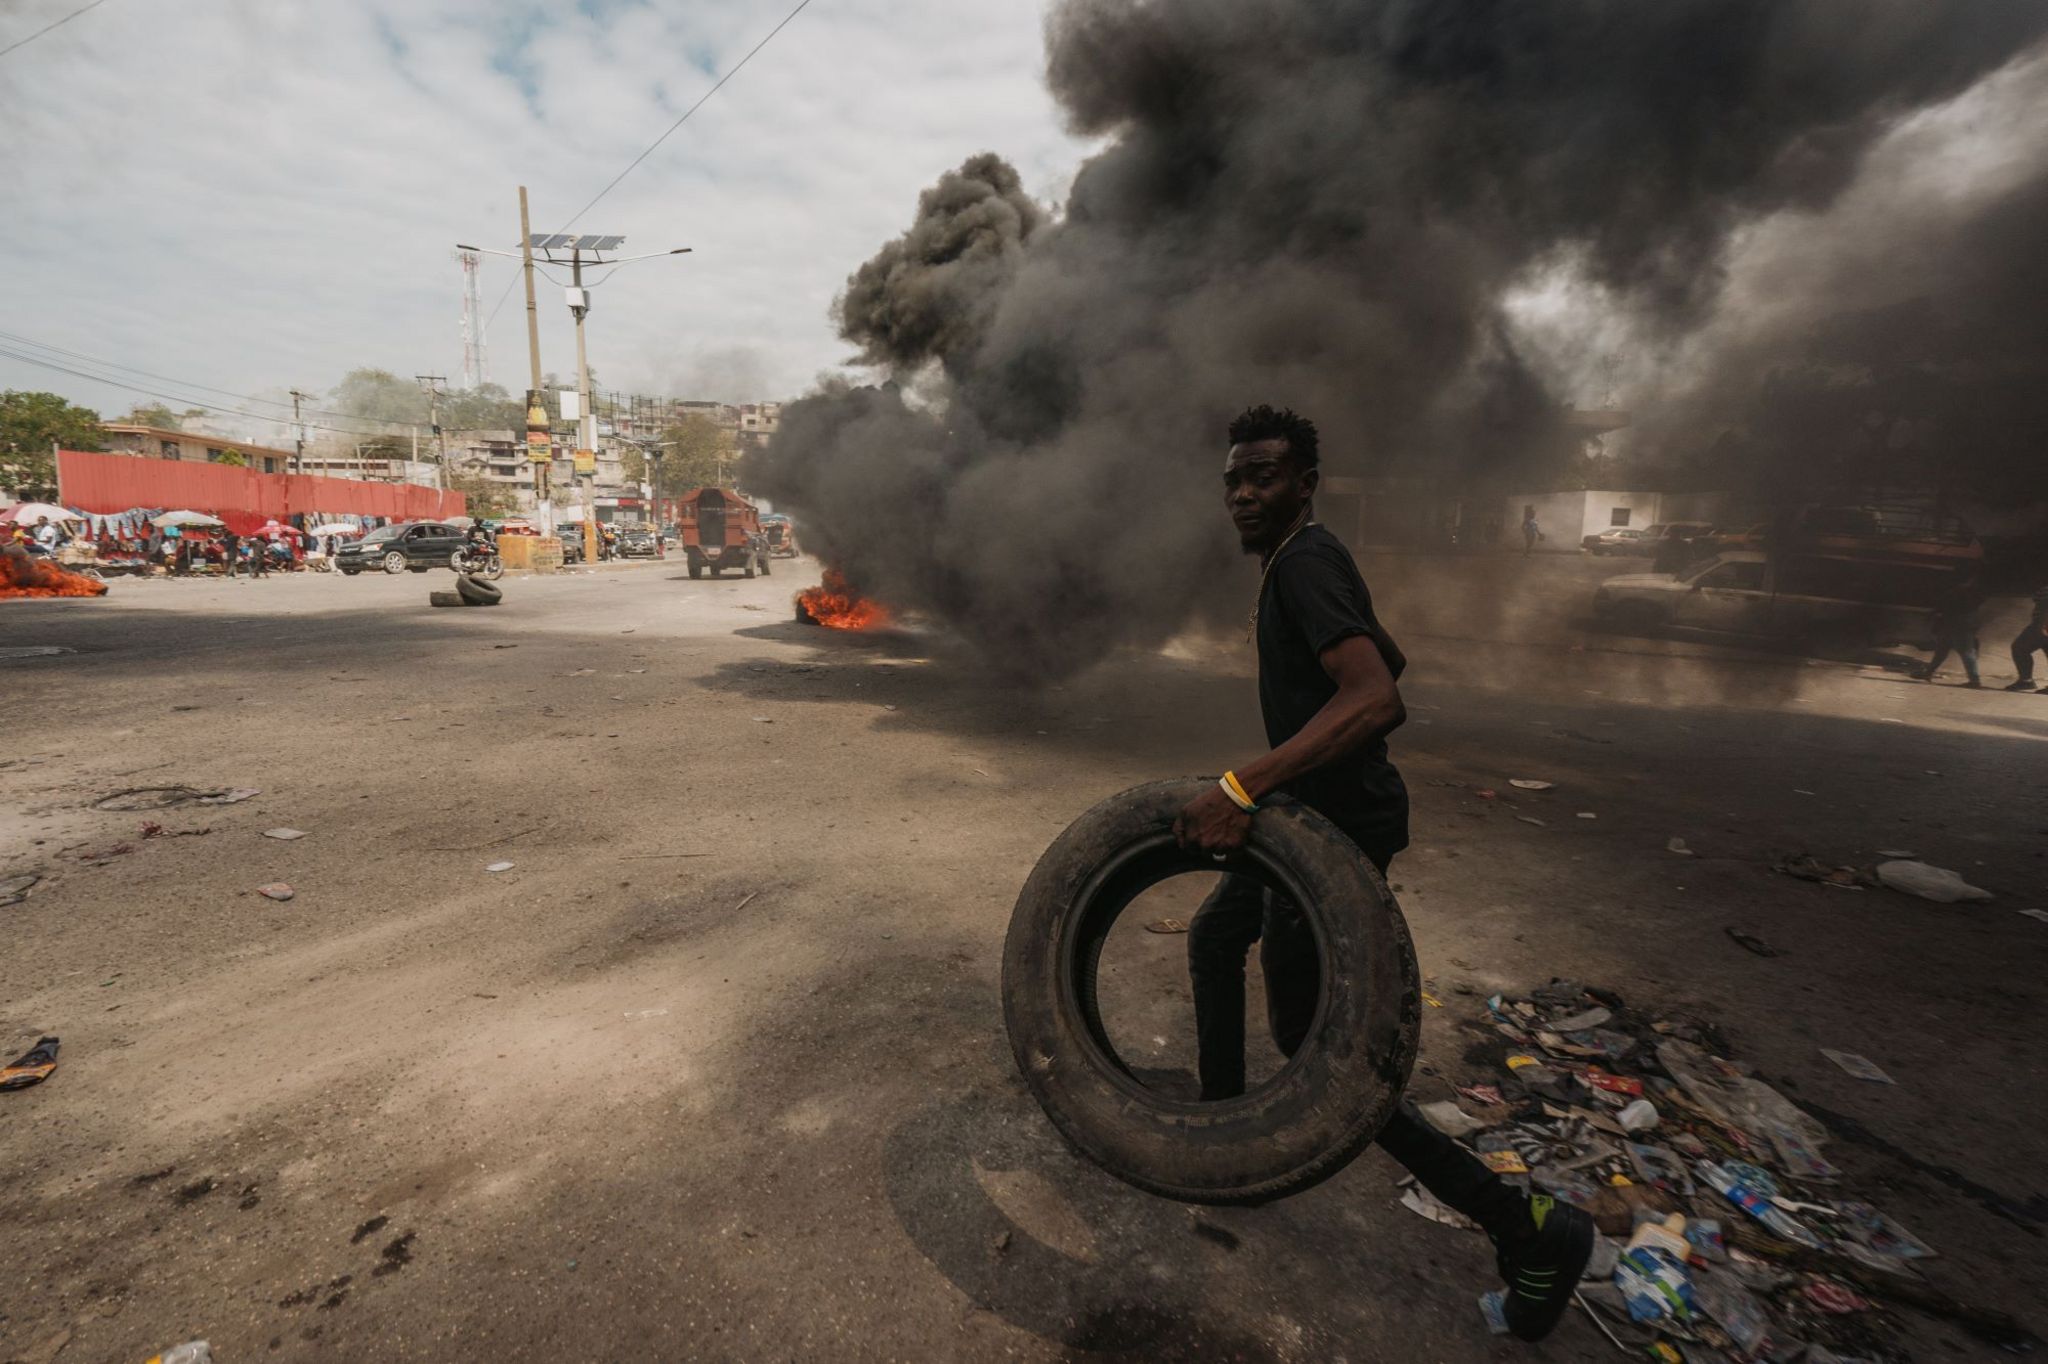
715	1069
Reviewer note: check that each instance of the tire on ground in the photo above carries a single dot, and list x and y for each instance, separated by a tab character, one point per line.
476	593
1291	1132
446	599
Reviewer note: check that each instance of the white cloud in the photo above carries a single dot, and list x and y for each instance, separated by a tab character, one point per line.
255	194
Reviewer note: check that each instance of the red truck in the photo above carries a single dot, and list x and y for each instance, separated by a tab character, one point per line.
721	530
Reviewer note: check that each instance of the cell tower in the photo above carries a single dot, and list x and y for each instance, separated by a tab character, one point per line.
476	363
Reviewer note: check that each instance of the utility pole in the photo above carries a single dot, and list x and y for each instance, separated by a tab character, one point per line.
586	427
299	433
540	443
432	384
596	245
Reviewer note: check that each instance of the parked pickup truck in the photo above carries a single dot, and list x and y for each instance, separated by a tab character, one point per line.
1745	592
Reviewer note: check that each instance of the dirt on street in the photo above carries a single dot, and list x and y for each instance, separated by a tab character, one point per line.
715	1068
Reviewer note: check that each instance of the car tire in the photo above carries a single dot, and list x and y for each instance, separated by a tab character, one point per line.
477	593
350	572
696	570
394	562
446	599
1293	1131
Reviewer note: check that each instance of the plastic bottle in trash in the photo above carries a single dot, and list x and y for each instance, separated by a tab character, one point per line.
191	1352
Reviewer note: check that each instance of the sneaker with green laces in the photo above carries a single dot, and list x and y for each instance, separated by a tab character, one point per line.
1543	1267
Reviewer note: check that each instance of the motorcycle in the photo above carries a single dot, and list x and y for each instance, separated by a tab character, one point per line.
478	561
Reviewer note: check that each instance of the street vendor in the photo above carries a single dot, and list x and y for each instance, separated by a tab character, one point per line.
1328	689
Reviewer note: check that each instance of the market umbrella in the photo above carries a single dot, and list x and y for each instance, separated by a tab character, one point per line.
277	528
28	513
189	518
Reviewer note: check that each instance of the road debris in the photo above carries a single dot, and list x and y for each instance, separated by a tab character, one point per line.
2041	914
1632	1118
15	889
1167	925
1752	942
276	890
499	866
1938	884
286	835
1678	845
1806	867
32	1067
1862	1067
1530	784
191	1352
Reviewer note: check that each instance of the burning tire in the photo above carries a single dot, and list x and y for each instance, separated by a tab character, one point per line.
1295	1130
475	593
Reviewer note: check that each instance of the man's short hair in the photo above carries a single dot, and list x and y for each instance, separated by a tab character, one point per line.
1270	423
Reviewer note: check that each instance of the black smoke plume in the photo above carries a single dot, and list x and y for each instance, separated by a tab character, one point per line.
1317	203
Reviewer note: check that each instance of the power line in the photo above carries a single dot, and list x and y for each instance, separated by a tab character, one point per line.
11	354
24	42
103	363
802	5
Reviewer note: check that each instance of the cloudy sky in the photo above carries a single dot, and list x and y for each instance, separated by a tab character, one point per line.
255	194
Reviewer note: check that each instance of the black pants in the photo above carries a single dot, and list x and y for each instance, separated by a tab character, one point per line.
2023	645
1962	643
1240	912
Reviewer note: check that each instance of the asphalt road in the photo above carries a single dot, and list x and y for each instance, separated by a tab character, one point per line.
716	1069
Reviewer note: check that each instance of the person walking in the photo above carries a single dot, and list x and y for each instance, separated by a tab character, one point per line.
231	544
1531	532
1328	674
1955	630
259	557
2024	644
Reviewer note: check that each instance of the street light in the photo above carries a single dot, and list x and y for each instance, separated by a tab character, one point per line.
596	244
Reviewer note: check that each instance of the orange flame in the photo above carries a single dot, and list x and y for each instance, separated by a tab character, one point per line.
22	576
836	606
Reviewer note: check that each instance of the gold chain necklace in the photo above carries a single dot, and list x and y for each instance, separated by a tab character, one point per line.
1251	625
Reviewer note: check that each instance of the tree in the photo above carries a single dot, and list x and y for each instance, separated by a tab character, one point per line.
154	414
699	454
487	407
30	424
234	459
485	500
379	395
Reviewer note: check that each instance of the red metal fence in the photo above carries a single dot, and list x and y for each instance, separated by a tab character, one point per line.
241	497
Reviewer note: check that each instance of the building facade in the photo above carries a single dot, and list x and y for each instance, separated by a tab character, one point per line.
156	442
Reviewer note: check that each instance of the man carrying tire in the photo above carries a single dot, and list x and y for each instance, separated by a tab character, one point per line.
1327	688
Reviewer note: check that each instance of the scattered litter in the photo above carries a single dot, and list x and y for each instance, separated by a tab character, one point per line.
581	672
1580	1022
500	866
191	1352
276	890
1485	792
231	797
1449	1119
1639	1116
1431	1000
1897	853
1422	1202
763	720
1810	868
15	889
1531	819
1938	884
1677	845
1585	814
286	834
1482	1094
1527	784
747	901
1752	942
1862	1067
645	1013
31	1067
2041	914
1493	1307
1168	925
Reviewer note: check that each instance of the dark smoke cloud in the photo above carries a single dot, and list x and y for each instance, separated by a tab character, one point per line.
1320	203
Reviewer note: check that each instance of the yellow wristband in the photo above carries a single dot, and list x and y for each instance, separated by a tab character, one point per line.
1238	796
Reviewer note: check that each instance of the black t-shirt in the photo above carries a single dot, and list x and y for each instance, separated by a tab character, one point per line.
1313	598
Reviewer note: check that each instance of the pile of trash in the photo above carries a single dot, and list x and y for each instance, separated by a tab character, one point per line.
1726	1233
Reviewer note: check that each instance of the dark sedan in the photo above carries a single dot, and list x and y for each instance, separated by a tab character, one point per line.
414	545
637	544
